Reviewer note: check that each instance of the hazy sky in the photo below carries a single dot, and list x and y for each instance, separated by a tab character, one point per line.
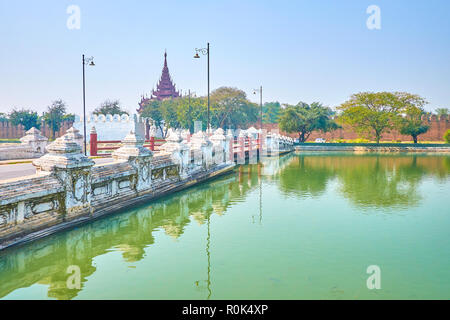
298	50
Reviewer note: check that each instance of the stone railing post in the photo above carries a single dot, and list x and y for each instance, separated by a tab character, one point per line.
73	169
93	142
229	155
269	142
219	145
200	141
241	153
138	156
75	135
35	141
180	152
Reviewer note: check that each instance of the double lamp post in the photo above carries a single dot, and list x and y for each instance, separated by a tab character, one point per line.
85	61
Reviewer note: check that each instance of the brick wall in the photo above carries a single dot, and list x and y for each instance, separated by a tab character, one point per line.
435	133
9	131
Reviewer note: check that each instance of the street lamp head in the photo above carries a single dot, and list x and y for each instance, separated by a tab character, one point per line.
92	64
196	56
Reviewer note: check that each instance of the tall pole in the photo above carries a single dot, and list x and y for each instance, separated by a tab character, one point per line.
208	88
208	244
189	113
84	108
260	105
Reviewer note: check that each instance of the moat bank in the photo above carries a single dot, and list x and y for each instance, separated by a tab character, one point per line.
373	147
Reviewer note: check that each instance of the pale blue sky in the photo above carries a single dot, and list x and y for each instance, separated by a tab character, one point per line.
298	50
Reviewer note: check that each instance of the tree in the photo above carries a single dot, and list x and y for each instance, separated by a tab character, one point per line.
271	112
230	108
412	110
304	119
55	114
153	110
169	113
442	111
190	112
411	123
3	117
371	113
110	107
27	118
447	136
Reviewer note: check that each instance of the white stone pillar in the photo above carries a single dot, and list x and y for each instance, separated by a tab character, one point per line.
200	141
138	156
219	146
66	161
180	152
35	140
229	156
75	135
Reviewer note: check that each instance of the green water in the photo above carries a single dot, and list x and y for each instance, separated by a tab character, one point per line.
299	227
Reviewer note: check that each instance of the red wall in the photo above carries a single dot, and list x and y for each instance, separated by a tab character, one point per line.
9	131
435	133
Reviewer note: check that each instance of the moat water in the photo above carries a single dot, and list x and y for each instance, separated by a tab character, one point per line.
304	226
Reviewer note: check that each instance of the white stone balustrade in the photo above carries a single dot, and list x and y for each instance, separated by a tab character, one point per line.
68	186
179	151
72	168
218	140
32	146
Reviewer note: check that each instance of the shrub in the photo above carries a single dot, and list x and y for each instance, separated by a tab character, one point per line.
359	140
447	136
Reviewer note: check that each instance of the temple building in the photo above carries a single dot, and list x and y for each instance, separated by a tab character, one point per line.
164	90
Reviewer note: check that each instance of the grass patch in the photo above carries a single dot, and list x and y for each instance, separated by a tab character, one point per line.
9	141
363	141
14	162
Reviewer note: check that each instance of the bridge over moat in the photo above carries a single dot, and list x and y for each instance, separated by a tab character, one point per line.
69	188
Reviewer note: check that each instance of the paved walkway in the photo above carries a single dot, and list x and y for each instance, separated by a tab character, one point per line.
9	171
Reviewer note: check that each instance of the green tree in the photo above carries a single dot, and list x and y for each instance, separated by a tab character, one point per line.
110	107
304	119
271	112
190	110
153	110
442	111
55	115
411	123
230	108
3	117
169	114
447	136
27	118
372	113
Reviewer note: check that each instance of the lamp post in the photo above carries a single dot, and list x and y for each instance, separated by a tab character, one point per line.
85	61
190	122
260	90
204	51
189	112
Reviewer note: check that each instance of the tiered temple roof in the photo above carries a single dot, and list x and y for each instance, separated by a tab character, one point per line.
165	88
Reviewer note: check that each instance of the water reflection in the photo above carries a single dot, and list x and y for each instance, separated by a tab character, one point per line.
380	181
46	261
374	180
